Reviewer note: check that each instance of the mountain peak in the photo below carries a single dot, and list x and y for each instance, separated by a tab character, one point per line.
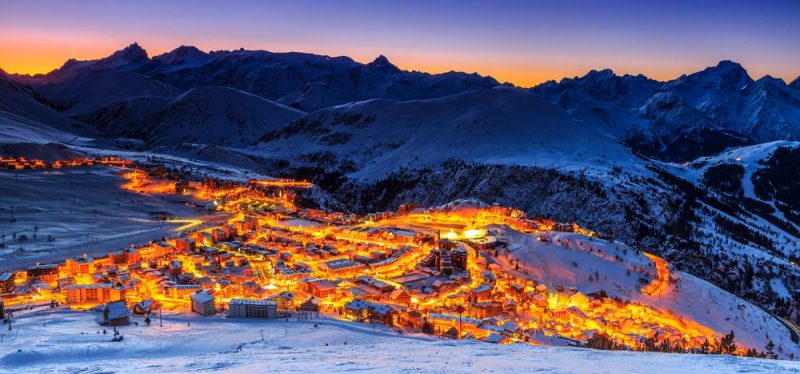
726	74
132	53
728	64
600	74
770	79
180	54
795	83
382	63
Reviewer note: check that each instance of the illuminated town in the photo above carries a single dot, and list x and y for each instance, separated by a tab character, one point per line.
442	271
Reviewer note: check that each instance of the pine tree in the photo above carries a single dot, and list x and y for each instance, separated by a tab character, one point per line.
771	350
727	345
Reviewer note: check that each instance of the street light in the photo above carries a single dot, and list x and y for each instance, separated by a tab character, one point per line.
460	310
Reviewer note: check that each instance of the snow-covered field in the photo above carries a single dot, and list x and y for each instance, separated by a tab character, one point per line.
65	341
84	209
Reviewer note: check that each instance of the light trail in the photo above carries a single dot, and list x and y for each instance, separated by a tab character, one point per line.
661	282
188	223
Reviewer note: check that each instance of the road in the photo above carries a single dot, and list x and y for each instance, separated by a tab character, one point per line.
661	283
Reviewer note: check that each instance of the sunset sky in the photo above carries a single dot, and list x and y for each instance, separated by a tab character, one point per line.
523	42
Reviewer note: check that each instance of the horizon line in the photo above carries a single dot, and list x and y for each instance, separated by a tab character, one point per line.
500	82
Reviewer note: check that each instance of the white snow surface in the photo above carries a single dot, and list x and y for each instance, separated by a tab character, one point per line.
496	126
65	341
552	264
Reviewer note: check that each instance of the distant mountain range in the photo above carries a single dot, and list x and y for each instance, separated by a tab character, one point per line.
695	115
702	170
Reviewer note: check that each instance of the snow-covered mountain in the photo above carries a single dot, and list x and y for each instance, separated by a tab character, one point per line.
24	101
699	114
770	110
205	115
498	126
79	87
305	81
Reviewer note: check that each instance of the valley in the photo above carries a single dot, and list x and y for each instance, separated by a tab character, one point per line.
461	270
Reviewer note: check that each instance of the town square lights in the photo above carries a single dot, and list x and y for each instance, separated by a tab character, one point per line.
435	270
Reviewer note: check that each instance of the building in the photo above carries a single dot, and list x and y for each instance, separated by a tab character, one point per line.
284	299
310	305
181	291
116	313
366	311
145	307
247	308
321	288
203	303
93	293
375	284
45	273
80	265
444	322
343	266
6	282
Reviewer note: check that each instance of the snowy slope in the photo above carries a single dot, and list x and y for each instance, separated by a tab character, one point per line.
16	129
25	102
94	89
235	346
500	125
206	115
618	266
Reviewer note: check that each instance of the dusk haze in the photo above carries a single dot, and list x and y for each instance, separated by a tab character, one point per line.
522	42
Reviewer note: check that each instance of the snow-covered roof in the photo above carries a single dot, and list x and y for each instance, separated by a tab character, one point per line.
117	309
202	297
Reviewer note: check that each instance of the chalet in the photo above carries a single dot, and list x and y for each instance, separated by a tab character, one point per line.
144	307
367	311
579	300
6	282
482	292
321	287
116	313
175	268
284	300
400	296
310	305
375	284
